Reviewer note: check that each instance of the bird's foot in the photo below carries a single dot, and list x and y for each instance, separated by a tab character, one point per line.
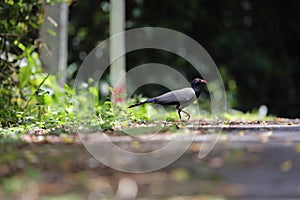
188	117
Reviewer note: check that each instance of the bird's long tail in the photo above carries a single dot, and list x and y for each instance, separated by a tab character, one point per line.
141	103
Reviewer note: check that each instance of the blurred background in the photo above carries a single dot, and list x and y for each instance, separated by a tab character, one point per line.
255	44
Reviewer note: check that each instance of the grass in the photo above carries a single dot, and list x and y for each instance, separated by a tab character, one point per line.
59	119
253	115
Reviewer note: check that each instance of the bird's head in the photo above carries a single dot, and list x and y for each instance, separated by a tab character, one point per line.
196	85
198	82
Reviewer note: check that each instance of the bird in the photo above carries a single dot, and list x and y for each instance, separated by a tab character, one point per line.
181	98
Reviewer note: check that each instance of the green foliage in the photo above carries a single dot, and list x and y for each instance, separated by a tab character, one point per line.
18	39
28	97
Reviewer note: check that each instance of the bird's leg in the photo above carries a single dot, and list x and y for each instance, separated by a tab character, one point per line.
179	110
187	114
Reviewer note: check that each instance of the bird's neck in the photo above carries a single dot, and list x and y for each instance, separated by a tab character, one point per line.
197	92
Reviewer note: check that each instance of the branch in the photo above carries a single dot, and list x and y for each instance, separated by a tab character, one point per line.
27	103
9	35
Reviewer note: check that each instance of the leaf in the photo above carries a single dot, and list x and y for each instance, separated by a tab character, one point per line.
286	165
24	75
180	175
297	148
20	45
9	2
51	32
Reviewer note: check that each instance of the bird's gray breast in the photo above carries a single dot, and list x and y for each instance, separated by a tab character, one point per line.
186	96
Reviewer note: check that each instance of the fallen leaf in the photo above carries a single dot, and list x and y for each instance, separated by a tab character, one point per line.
180	175
264	137
240	133
297	148
195	147
135	144
286	165
66	138
216	162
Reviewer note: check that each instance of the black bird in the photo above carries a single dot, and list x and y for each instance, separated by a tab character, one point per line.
181	98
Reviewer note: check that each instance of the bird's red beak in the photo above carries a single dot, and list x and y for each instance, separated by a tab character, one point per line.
203	81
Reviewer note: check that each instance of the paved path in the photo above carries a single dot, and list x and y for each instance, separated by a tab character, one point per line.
249	161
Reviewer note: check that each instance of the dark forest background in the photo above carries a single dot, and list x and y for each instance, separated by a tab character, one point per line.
255	44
